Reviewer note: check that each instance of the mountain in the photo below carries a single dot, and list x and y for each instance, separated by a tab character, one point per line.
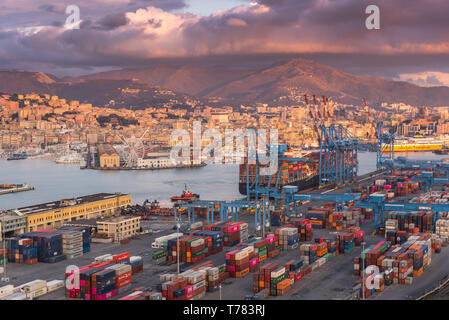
281	83
102	92
12	80
194	80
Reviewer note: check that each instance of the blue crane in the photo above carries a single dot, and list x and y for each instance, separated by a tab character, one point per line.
291	197
385	146
225	207
338	155
377	203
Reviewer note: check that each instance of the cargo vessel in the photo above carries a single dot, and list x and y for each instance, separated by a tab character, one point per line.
304	175
417	143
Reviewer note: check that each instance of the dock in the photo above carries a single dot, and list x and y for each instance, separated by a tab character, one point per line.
144	169
13	188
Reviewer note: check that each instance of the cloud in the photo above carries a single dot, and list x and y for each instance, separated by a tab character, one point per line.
113	21
116	33
426	79
237	22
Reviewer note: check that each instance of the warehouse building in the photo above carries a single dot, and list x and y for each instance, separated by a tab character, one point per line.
12	222
119	228
58	213
107	156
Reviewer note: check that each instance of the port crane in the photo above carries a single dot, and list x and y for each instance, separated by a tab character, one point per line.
292	196
261	211
338	155
385	146
377	202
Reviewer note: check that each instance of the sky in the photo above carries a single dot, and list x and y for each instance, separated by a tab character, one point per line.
412	43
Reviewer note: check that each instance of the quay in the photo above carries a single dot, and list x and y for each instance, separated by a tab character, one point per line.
13	188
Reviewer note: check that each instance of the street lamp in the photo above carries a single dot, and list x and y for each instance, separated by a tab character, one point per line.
177	245
4	277
363	270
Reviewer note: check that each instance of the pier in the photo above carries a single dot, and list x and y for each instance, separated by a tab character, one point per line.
13	188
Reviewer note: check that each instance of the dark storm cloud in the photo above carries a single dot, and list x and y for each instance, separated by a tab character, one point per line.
414	34
113	21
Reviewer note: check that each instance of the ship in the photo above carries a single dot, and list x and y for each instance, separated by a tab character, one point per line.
186	196
415	144
16	157
304	175
69	158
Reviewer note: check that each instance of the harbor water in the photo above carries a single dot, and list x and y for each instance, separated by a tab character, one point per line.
59	181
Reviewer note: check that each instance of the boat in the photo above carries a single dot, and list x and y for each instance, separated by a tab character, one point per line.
304	175
69	158
186	196
443	151
16	157
417	143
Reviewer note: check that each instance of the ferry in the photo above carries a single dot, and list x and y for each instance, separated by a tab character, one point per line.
415	144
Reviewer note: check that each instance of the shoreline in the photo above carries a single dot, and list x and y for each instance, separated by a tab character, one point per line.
145	169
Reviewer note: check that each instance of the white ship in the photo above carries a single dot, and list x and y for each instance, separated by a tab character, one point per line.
70	158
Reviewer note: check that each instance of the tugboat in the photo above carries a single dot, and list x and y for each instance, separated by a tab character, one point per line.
186	196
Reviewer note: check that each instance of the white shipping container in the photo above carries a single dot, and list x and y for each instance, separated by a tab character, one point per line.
16	296
103	258
55	285
6	290
34	285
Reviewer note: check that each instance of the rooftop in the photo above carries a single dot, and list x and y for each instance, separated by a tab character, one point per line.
39	208
116	219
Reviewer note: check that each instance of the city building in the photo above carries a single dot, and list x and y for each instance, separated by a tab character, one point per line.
12	222
53	214
107	156
119	228
156	160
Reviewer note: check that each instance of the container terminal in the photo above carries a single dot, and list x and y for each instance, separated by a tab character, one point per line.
382	235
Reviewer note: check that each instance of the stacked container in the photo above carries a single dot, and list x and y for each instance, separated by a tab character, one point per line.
48	245
237	262
3	256
21	251
346	243
123	275
262	280
305	230
308	253
213	240
136	263
85	235
159	257
287	238
442	230
104	284
72	244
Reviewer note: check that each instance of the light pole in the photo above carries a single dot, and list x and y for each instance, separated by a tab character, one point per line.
177	245
363	271
4	277
263	219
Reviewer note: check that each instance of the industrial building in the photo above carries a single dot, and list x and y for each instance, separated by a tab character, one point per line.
119	228
107	156
156	160
12	222
53	214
